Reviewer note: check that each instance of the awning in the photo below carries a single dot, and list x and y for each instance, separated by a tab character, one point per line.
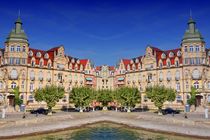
89	79
120	79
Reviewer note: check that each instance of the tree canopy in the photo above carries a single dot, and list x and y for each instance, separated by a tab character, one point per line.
50	95
160	94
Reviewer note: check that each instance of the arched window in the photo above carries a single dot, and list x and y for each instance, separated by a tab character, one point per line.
197	48
168	76
177	76
40	75
13	85
196	85
48	76
133	67
14	74
161	76
196	74
1	85
32	75
49	65
177	86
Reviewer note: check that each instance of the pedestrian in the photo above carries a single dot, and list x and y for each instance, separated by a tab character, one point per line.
185	116
24	115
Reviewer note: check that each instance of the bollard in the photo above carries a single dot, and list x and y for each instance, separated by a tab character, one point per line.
206	113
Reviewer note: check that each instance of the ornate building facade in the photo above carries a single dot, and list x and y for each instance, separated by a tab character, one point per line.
30	68
179	68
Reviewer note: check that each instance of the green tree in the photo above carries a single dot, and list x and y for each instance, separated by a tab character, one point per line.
104	96
81	97
128	97
50	95
159	95
17	99
192	100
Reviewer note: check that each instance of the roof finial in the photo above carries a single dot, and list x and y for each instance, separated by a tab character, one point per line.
19	13
190	13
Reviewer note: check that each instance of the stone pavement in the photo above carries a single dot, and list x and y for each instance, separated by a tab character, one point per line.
195	125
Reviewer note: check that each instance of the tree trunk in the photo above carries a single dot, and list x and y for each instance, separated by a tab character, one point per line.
80	109
3	113
129	109
49	111
160	112
93	109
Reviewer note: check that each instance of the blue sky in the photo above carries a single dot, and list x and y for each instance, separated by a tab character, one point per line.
105	30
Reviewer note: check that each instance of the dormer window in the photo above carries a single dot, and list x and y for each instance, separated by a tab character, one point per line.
72	60
30	53
46	56
12	48
78	61
18	48
163	56
179	53
137	60
131	61
38	54
171	54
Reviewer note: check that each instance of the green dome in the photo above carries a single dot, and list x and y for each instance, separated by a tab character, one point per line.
192	34
17	34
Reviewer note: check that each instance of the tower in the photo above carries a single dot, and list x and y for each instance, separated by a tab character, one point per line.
16	45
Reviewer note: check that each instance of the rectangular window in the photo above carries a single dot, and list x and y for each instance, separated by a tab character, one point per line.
191	49
197	49
186	61
23	61
18	61
18	48
11	60
12	48
31	87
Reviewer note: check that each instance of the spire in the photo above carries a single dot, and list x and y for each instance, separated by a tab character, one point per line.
17	33
18	23
192	33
